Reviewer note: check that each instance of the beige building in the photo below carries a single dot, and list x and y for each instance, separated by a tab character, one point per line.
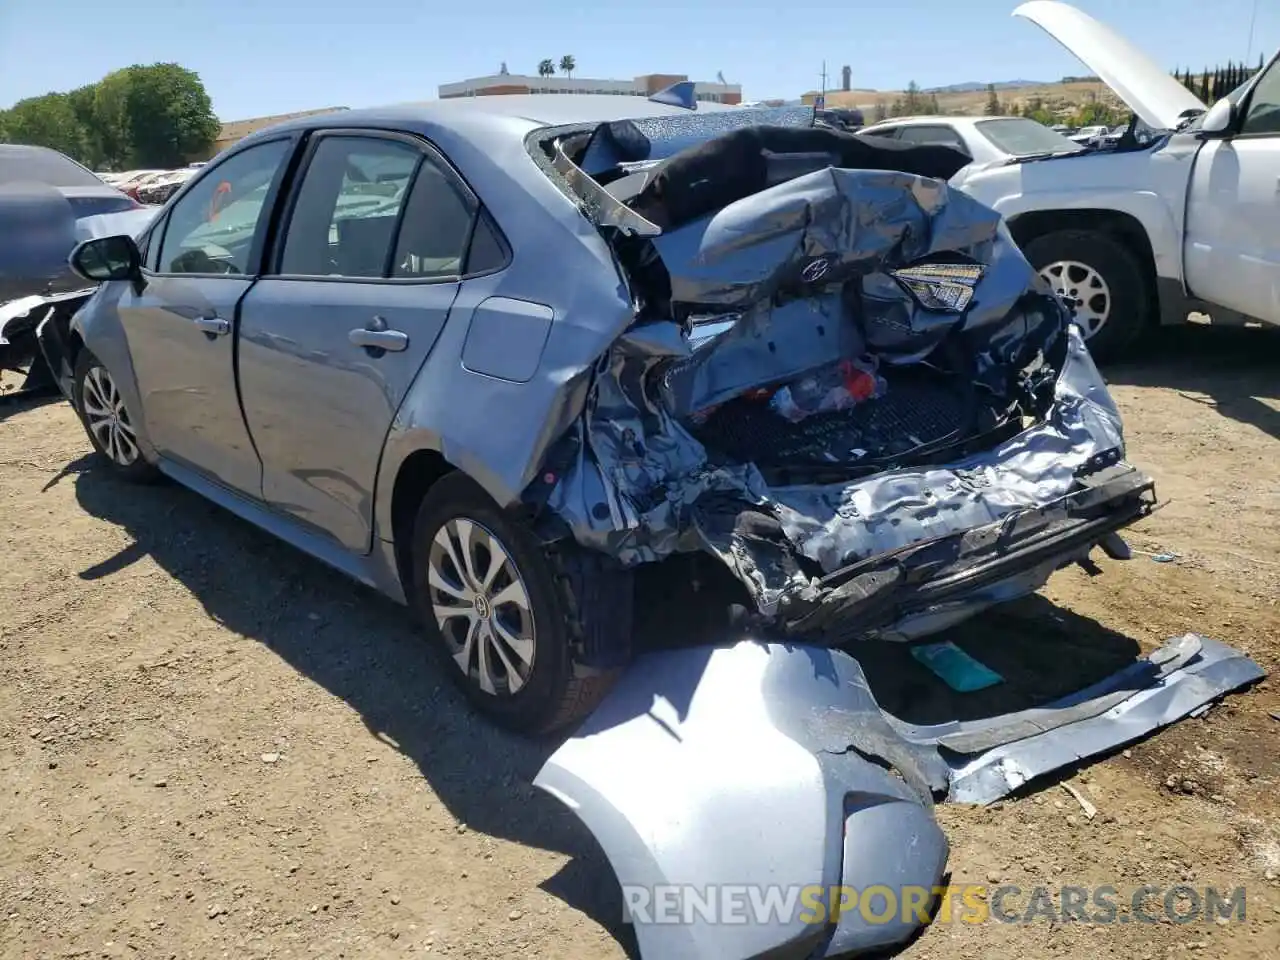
647	85
239	129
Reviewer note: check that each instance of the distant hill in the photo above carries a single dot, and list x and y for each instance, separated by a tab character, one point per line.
970	99
973	86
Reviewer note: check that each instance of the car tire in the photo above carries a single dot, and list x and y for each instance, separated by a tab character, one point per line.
1090	269
108	423
559	601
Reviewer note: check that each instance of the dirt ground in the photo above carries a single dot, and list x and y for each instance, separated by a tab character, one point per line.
211	746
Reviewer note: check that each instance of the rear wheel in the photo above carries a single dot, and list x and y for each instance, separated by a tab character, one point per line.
107	420
509	616
1101	281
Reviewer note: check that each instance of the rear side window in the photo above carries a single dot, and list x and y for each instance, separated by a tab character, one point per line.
922	134
22	163
437	225
345	216
488	252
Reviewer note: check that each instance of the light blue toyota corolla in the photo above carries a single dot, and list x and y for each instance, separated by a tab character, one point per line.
489	356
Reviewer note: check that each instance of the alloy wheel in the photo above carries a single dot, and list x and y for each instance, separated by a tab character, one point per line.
481	605
108	420
1083	290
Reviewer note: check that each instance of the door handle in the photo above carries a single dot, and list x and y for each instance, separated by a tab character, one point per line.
376	339
212	326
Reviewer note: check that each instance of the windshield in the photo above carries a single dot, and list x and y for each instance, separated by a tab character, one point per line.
1022	137
18	163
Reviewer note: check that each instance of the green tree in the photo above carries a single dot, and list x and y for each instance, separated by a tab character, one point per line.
914	103
993	108
568	65
170	116
47	121
546	68
111	118
82	101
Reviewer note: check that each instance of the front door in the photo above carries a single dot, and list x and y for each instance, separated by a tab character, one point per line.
364	277
181	327
1232	236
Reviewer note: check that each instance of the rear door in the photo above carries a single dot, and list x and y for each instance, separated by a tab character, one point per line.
366	269
201	259
1232	242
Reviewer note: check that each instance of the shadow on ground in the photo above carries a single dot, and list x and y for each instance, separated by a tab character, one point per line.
11	404
366	650
363	648
1234	370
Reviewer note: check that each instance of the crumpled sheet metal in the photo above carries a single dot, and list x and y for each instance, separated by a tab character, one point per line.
704	768
636	484
838	525
771	766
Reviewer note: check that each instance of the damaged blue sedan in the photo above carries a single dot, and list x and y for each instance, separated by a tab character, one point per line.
493	356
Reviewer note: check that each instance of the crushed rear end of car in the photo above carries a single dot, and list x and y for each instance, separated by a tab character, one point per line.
845	382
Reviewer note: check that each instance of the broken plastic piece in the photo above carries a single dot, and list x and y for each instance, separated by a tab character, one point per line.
955	668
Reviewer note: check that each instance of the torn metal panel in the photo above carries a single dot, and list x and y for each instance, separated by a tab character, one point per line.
685	773
20	349
697	749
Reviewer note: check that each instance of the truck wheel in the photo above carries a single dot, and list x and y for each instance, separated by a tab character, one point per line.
507	614
1102	283
110	427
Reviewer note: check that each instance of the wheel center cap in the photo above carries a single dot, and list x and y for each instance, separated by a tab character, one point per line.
483	610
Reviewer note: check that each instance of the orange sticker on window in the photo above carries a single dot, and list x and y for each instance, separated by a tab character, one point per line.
215	204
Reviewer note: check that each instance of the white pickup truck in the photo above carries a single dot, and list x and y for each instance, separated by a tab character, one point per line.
1146	234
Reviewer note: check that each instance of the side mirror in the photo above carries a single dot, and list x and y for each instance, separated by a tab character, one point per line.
107	258
1219	120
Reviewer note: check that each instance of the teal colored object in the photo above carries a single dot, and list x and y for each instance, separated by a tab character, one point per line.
957	669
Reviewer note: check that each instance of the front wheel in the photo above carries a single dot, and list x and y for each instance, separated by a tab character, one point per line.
1101	281
107	421
508	615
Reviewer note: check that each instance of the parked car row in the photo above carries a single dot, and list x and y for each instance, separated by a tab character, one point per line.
151	186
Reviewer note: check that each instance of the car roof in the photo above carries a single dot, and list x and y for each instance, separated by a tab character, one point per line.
20	161
498	115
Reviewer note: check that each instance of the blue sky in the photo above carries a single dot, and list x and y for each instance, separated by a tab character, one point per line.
260	57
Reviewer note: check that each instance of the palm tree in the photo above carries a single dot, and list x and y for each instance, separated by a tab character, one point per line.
568	65
546	68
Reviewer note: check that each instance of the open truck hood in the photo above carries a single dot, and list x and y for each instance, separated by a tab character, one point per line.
739	788
1148	90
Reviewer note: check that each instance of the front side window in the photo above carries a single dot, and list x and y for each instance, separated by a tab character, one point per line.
348	207
211	230
1264	104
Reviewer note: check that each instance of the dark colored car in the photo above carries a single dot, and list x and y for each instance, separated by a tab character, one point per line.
42	195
